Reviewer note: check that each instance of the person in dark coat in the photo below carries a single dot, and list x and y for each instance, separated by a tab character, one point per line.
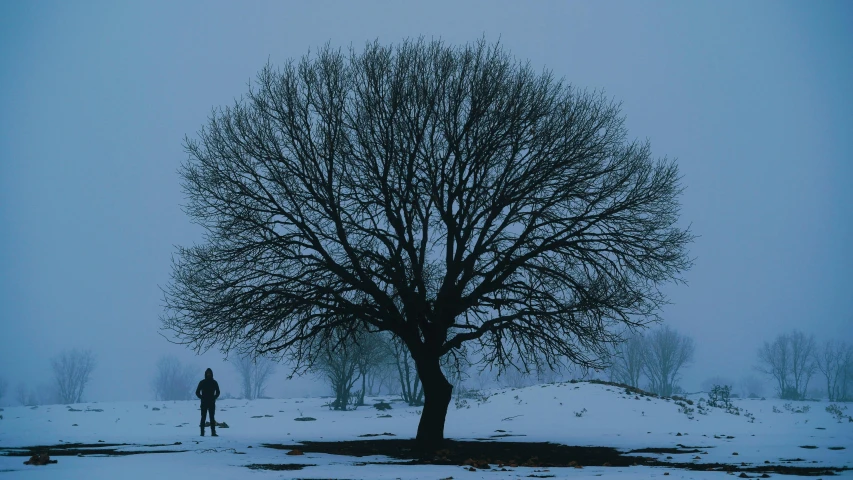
208	392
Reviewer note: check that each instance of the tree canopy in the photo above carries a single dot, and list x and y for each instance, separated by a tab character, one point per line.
452	196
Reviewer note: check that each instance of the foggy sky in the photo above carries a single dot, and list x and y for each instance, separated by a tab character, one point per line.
752	98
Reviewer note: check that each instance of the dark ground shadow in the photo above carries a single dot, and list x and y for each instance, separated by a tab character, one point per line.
87	450
483	455
490	455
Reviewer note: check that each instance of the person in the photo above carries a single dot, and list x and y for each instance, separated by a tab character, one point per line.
208	392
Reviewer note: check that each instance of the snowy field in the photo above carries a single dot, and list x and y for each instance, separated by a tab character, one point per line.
766	432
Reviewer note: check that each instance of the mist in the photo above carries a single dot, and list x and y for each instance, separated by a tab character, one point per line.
752	99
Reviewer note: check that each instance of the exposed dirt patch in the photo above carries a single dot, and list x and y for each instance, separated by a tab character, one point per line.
86	449
279	466
668	451
500	454
457	452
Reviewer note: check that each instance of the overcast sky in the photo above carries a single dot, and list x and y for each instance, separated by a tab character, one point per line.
752	98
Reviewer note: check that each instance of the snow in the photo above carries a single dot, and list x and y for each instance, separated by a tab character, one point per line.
582	414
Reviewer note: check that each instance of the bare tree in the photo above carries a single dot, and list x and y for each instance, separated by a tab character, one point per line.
4	385
834	361
666	353
338	363
846	393
383	375
803	365
411	388
371	354
515	378
790	360
774	360
71	371
627	359
254	374
173	379
446	195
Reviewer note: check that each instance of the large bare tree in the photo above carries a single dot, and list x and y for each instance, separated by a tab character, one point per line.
444	194
71	371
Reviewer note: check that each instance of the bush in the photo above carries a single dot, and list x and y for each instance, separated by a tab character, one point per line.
381	406
720	396
792	409
838	412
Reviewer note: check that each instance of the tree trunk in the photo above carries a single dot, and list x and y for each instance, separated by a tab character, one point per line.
437	392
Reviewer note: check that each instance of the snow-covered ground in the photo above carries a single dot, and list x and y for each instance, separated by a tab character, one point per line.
580	414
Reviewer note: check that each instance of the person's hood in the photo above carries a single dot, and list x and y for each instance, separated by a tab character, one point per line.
210	372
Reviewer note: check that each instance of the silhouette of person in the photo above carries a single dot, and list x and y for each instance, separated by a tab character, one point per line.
208	392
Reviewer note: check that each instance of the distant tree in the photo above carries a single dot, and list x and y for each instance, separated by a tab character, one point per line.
444	194
340	361
846	394
174	380
515	378
407	373
4	385
666	353
371	356
71	372
22	394
834	360
709	383
627	360
803	350
383	375
751	386
774	360
254	373
789	360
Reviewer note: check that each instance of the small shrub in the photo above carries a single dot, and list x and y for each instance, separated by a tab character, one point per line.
580	414
793	409
685	408
838	412
382	406
720	396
